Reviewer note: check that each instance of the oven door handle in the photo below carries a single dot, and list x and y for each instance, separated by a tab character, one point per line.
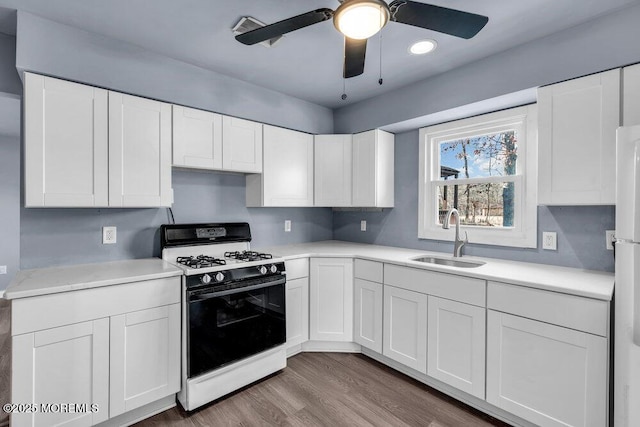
195	296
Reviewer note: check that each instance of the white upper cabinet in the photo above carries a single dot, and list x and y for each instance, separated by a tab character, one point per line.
197	138
66	147
86	147
241	145
577	133
139	152
287	175
373	168
631	95
332	170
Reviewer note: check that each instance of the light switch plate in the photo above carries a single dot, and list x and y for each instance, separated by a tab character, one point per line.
109	235
3	269
363	225
549	240
287	225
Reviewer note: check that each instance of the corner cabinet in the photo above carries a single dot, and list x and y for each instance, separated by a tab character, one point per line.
331	299
287	173
88	147
577	140
332	170
373	169
368	302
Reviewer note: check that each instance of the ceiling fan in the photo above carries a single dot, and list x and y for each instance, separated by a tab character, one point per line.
360	19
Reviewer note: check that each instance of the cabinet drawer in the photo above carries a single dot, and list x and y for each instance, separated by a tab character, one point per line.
583	314
297	268
368	270
66	308
450	286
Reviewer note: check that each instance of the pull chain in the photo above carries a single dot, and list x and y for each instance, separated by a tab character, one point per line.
380	43
344	89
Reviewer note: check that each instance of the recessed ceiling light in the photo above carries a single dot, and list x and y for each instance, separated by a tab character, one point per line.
423	46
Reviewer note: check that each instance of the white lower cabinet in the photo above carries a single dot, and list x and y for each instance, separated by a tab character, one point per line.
68	364
456	345
405	327
115	347
297	303
546	374
368	314
145	357
331	299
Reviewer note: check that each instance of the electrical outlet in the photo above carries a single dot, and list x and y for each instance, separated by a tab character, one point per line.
108	235
287	225
3	269
610	238
549	240
363	225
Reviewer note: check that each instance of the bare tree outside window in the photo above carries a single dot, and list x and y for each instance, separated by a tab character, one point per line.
489	203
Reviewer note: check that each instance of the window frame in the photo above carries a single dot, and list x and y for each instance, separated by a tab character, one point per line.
524	121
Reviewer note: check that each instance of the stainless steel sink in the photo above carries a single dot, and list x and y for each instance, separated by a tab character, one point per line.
448	261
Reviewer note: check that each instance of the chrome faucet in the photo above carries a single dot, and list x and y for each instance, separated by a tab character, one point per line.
458	243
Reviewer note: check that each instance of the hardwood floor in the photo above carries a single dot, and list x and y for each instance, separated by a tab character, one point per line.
331	389
5	357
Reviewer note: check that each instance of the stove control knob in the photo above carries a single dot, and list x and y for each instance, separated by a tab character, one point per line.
262	269
219	277
206	279
273	268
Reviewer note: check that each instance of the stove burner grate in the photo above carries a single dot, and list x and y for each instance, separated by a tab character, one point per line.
247	255
200	261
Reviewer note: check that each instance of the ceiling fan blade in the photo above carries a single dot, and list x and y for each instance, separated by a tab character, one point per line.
285	26
354	53
449	21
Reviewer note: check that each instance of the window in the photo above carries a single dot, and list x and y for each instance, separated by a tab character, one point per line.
486	167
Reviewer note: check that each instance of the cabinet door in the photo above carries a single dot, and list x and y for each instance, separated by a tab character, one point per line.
368	314
69	364
297	303
288	167
631	95
197	138
373	169
145	357
364	169
332	170
331	308
241	145
405	327
546	374
456	345
139	152
66	148
577	137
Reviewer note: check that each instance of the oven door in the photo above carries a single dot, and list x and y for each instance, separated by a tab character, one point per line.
230	325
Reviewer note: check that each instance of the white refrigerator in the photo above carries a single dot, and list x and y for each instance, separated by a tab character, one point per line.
626	377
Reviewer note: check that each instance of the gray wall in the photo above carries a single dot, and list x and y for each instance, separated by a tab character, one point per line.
604	43
50	48
73	236
9	80
581	230
9	206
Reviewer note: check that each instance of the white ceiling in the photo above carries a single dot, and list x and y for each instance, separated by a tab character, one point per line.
308	63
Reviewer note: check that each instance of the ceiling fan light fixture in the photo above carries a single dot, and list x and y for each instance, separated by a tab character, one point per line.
423	46
361	19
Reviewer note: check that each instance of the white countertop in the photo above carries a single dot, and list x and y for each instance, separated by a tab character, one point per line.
41	281
574	281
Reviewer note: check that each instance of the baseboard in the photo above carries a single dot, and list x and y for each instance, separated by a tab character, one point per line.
331	347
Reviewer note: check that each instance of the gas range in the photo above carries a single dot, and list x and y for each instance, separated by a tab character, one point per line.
234	309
